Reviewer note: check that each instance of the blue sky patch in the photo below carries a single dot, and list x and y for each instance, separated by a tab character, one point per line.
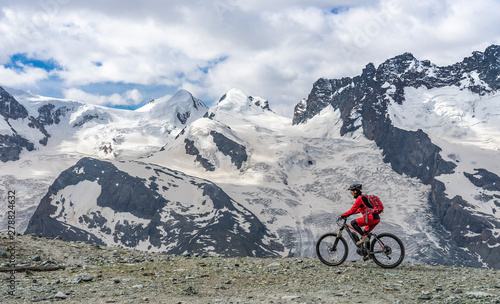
20	60
339	9
212	63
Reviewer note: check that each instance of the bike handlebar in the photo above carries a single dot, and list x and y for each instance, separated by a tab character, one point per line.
341	221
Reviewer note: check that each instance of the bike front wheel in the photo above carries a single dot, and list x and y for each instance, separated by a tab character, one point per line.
387	250
332	250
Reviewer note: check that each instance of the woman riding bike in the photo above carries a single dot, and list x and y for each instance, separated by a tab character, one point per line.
368	220
385	249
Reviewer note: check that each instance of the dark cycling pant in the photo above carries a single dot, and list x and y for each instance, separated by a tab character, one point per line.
368	222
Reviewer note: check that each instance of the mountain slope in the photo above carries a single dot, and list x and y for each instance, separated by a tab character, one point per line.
150	208
438	124
295	176
422	137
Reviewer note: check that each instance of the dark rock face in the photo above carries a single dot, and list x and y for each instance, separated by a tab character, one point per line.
230	148
362	102
455	216
12	146
47	115
192	150
137	200
263	105
484	228
227	228
85	119
10	108
412	153
226	146
183	117
484	179
362	99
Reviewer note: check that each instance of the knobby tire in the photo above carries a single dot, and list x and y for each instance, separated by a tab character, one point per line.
391	255
325	253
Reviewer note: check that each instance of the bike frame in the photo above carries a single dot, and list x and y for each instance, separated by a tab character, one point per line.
351	235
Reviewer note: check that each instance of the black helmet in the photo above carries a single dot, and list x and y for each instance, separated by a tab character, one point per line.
355	187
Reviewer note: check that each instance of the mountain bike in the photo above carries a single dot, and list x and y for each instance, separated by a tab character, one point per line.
385	249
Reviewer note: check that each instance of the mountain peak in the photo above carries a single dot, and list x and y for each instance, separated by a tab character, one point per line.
179	108
181	95
479	73
237	101
493	50
406	57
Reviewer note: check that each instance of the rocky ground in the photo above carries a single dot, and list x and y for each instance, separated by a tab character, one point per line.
96	274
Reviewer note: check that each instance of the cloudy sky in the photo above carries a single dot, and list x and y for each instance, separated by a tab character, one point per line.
124	53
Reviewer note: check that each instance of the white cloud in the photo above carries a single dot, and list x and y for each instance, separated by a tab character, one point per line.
29	76
273	49
130	97
133	95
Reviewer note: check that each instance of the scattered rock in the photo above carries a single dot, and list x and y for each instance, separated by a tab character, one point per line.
425	297
190	291
60	295
36	258
119	275
478	294
290	297
86	277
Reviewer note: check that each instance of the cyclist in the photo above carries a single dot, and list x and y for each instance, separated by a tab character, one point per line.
368	220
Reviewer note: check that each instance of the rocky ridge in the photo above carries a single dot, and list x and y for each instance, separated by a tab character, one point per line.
363	103
97	274
146	212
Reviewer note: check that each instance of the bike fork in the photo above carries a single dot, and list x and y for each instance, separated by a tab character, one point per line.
339	234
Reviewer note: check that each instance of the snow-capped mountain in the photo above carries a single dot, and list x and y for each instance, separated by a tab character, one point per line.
178	110
148	207
50	125
423	138
295	176
437	124
40	137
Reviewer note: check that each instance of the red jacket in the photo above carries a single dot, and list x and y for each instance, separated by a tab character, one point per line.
359	206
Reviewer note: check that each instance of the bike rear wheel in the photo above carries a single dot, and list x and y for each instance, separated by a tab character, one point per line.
387	250
332	250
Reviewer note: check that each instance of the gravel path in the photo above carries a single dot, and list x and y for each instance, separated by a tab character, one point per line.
96	274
